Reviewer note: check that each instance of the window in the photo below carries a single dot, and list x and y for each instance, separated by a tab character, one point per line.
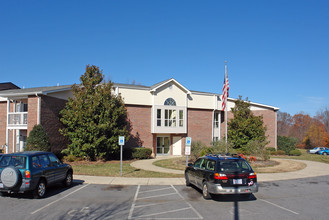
158	117
35	162
44	161
170	118
170	101
198	163
216	119
54	160
181	118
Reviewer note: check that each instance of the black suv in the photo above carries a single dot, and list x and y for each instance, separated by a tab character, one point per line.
32	171
222	174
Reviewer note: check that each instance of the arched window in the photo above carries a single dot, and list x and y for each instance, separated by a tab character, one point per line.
170	101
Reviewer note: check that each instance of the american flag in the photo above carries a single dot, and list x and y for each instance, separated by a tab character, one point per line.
226	88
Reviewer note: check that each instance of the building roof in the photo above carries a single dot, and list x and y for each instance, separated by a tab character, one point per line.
52	89
7	86
34	91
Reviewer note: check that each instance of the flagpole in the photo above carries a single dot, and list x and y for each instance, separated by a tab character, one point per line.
226	108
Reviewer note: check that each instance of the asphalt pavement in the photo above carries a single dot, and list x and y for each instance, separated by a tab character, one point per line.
312	169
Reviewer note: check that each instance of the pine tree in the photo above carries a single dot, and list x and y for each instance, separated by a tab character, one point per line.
95	118
245	126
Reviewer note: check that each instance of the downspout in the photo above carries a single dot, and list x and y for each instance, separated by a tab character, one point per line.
38	110
7	131
276	132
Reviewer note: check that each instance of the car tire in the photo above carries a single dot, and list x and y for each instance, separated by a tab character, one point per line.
325	153
67	182
11	177
40	191
205	192
187	180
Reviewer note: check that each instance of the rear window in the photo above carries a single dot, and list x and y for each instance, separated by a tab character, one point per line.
233	166
15	161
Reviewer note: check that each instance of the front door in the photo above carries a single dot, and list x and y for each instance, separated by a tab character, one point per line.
177	145
163	145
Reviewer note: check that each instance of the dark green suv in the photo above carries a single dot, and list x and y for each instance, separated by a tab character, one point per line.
32	171
222	174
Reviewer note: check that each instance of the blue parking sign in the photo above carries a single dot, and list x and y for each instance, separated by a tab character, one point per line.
188	141
121	140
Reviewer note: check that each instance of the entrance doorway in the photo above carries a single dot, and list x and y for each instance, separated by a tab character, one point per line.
177	145
163	145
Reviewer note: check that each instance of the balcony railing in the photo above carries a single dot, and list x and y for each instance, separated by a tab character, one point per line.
17	119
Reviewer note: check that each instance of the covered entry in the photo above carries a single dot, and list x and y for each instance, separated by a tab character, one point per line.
163	145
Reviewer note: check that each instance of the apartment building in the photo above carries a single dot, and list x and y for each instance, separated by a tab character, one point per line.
160	116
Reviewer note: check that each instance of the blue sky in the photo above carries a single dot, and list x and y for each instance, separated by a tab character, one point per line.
277	51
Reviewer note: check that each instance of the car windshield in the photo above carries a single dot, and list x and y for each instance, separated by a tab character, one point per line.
16	161
233	166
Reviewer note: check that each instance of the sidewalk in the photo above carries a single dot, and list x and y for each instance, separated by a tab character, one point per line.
312	169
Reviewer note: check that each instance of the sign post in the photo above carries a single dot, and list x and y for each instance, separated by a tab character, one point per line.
121	143
188	148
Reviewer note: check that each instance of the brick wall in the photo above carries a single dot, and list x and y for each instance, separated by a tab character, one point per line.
199	125
139	118
50	108
269	122
3	122
32	115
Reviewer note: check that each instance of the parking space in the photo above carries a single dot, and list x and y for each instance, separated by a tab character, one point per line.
161	202
293	199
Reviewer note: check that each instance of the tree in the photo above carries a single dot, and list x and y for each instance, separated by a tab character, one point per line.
287	144
38	140
323	116
300	125
245	126
94	118
284	123
316	135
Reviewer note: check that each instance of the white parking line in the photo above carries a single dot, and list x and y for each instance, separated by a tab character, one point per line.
155	190
296	213
153	215
49	204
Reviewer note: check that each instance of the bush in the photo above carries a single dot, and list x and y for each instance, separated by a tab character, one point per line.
141	153
295	153
71	158
270	149
278	152
287	144
198	149
258	149
38	140
219	147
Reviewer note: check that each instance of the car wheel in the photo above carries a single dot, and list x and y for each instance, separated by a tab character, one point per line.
10	177
40	191
68	179
325	153
205	192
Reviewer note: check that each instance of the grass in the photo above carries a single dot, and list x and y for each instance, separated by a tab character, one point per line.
180	163
307	156
112	168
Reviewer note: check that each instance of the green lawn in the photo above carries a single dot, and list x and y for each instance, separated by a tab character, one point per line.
307	156
113	169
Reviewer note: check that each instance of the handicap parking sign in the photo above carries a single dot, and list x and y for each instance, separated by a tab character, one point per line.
121	140
188	141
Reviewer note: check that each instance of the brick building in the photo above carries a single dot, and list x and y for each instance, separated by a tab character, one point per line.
160	116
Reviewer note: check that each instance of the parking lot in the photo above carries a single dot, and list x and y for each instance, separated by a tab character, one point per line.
292	199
